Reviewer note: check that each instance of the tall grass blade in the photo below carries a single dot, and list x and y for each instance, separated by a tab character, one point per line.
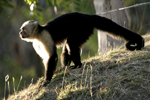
64	77
6	79
19	82
8	87
14	85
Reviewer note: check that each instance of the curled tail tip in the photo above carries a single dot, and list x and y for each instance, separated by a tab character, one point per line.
135	45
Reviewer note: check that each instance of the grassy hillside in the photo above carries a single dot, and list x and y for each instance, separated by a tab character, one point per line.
115	75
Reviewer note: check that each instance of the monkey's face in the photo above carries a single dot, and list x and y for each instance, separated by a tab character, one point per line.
28	30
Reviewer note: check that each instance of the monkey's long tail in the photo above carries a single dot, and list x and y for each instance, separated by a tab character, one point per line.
116	30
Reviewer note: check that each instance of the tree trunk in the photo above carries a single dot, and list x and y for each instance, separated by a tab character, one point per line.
122	18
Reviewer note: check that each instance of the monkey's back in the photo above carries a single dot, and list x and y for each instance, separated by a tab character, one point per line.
73	26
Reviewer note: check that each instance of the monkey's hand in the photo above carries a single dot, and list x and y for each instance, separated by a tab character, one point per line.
76	66
44	84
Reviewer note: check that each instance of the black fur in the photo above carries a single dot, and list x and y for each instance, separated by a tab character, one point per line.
74	29
51	66
66	57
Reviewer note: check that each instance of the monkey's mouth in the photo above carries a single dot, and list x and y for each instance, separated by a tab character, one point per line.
23	35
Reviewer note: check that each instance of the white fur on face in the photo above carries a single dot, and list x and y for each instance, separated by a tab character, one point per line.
24	24
30	28
29	23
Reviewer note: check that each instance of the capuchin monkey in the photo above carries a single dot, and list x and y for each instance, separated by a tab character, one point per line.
71	31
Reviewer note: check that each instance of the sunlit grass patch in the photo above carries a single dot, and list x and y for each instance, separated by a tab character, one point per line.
115	75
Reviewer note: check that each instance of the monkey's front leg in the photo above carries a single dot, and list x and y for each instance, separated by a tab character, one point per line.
50	66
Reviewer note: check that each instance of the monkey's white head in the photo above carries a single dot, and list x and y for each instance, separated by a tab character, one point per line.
29	30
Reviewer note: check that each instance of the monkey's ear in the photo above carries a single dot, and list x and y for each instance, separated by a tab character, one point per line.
35	23
35	27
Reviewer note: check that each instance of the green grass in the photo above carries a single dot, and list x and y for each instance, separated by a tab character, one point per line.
115	75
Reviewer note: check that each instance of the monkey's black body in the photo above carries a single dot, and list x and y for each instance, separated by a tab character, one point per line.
74	26
74	29
79	27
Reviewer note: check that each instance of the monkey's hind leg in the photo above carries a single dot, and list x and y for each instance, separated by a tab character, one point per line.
75	56
65	57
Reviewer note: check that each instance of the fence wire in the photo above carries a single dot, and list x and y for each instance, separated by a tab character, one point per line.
124	8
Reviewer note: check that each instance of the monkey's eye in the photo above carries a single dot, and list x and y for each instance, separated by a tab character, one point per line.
23	29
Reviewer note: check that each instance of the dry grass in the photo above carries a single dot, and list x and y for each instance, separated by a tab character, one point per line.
115	75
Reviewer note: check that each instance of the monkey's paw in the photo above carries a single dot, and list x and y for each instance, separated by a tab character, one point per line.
74	67
44	84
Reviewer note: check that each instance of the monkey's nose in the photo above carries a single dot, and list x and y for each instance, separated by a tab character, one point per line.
20	33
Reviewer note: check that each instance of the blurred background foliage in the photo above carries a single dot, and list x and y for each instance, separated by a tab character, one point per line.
17	58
